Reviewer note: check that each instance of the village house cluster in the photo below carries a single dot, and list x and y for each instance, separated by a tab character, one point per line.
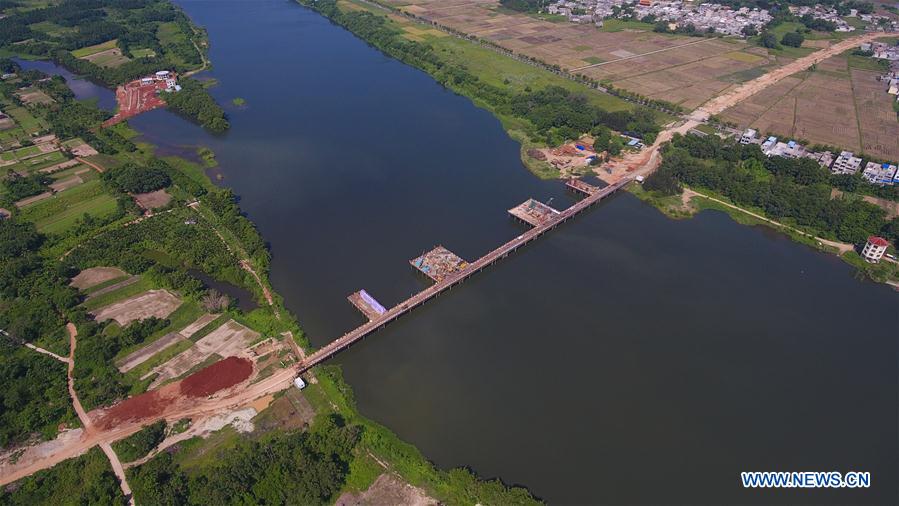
844	163
704	17
825	14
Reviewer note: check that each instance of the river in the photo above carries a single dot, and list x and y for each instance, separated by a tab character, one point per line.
624	358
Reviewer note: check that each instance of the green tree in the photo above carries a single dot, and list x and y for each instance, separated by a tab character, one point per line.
767	39
792	39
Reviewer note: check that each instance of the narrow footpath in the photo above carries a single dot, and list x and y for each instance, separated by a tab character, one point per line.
841	247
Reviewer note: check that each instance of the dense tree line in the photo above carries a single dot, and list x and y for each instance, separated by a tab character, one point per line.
34	397
524	5
780	8
554	112
792	39
34	297
85	480
133	178
18	186
224	205
793	189
821	25
282	468
197	104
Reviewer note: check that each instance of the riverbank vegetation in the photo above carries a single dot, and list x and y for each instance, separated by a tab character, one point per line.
197	104
796	193
544	114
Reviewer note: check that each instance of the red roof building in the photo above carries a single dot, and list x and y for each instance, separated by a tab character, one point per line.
874	249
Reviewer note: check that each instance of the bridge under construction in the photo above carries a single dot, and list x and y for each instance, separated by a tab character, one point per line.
447	269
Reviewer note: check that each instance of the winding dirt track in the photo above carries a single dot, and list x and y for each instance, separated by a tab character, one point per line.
646	161
243	394
89	428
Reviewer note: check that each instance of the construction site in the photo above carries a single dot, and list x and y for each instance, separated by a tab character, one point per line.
533	212
438	263
142	95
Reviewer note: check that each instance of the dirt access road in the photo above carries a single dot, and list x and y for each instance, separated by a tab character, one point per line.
88	423
645	161
237	396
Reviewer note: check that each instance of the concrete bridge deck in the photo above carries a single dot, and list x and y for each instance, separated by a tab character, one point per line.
455	278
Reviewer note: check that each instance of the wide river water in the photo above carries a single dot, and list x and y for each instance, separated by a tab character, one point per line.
624	358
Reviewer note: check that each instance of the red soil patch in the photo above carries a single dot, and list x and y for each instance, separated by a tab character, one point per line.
152	405
139	407
220	375
136	97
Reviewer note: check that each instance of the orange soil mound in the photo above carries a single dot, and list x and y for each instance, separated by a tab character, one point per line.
220	375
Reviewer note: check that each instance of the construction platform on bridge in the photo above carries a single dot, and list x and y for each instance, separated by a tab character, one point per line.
533	212
367	304
581	187
438	263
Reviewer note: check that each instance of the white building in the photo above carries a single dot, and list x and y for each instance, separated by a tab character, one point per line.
874	249
846	163
748	136
769	144
790	149
880	173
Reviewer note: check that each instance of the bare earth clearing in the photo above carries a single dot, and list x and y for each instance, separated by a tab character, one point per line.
158	303
388	489
226	341
96	275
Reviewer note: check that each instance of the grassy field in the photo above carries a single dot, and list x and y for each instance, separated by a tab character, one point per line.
170	34
865	63
142	285
142	53
89	50
36	163
186	314
493	68
63	210
52	29
25	125
617	25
